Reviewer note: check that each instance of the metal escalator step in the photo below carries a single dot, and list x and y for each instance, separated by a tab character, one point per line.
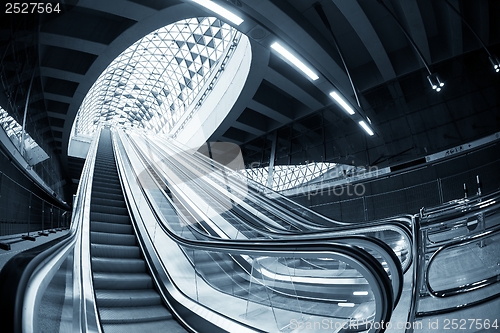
105	160
115	251
122	281
118	265
104	195
108	209
110	202
133	314
105	172
112	239
103	217
130	298
116	228
96	187
161	326
108	183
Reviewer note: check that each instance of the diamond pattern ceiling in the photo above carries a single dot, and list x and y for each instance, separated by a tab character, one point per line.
288	176
153	82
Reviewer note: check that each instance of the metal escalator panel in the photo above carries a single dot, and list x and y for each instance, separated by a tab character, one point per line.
126	297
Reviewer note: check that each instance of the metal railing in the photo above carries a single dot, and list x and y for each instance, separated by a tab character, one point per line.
442	236
25	215
406	200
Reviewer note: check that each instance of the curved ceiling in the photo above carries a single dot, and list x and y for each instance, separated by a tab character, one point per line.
153	82
70	50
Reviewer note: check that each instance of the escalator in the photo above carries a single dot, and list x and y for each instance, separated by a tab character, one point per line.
126	298
178	166
130	271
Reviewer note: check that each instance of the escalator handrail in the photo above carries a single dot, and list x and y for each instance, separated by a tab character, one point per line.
400	223
467	207
291	248
402	219
25	276
14	279
385	251
315	233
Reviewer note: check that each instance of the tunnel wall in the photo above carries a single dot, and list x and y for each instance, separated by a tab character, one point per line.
407	191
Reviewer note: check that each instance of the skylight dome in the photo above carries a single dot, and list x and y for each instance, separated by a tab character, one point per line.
155	81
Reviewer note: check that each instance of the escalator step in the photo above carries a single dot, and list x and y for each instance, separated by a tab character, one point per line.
115	251
111	202
111	173
108	209
96	187
115	265
110	196
170	326
103	217
115	228
133	314
128	298
112	239
108	184
122	281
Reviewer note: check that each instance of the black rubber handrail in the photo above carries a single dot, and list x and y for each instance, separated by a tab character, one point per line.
14	278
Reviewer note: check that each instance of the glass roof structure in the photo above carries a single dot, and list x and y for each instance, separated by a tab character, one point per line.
14	131
288	176
156	80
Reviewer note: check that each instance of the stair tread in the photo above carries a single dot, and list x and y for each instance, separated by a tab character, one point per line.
170	326
134	314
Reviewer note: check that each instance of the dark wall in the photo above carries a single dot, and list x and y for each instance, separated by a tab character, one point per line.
405	192
23	204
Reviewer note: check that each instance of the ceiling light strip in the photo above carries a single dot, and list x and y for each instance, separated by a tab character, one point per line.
294	60
366	127
220	10
342	102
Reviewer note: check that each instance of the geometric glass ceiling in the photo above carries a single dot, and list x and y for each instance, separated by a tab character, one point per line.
288	176
154	81
14	131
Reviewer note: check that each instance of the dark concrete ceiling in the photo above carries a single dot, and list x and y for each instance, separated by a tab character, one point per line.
68	51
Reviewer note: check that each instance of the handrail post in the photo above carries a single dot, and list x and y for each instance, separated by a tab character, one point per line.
479	192
52	219
416	280
28	237
440	191
43	233
480	217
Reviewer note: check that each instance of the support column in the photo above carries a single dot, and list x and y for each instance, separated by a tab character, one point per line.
271	159
23	134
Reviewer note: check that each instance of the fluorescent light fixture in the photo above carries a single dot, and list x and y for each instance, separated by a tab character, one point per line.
346	305
296	62
341	102
220	10
360	293
366	127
